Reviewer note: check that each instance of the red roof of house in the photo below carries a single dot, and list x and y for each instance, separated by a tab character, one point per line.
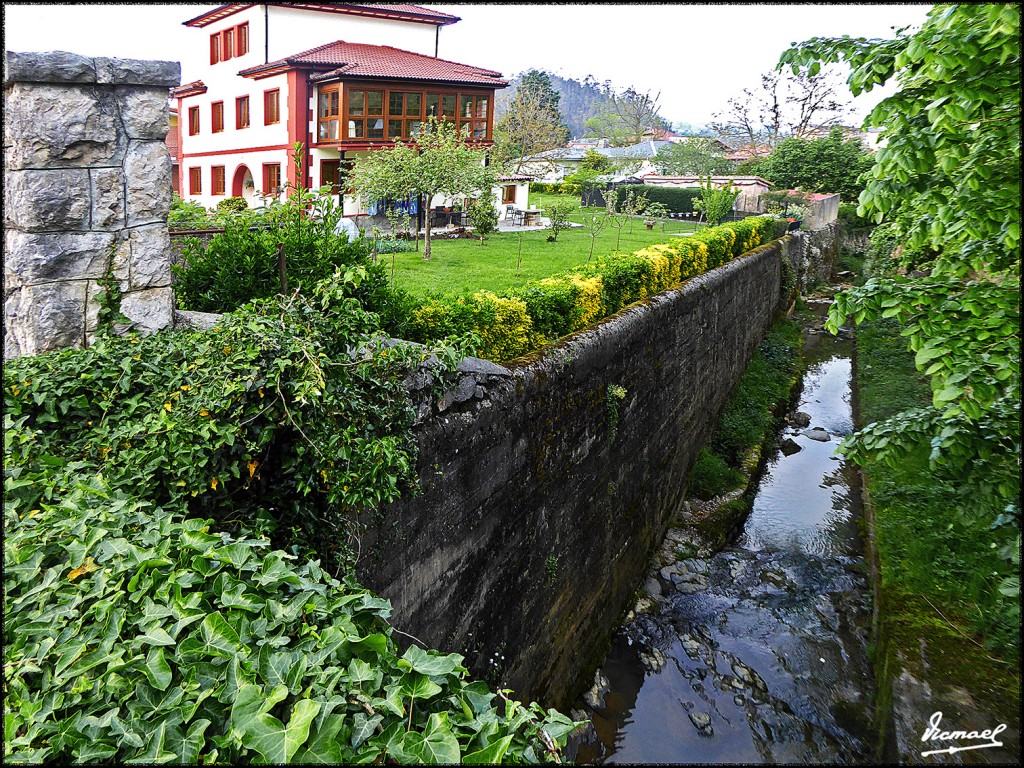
399	11
341	59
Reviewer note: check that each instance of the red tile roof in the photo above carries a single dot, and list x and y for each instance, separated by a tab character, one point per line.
400	11
341	59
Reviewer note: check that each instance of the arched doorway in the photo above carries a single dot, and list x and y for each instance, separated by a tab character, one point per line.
242	185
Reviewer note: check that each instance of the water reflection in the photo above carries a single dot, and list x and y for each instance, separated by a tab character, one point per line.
758	654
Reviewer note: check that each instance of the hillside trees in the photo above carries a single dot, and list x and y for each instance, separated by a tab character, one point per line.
626	115
438	162
948	181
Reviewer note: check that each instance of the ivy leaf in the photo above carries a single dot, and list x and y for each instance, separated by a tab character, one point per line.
489	755
427	663
158	671
276	742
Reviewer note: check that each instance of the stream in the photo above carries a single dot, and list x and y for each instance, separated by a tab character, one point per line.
757	653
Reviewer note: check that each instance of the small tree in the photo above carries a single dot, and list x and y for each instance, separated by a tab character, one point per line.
594	225
656	212
618	221
558	216
440	161
483	217
716	202
633	205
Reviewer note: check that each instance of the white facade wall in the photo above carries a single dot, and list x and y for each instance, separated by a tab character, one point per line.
293	30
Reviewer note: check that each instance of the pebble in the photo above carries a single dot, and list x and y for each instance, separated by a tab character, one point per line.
817	434
702	722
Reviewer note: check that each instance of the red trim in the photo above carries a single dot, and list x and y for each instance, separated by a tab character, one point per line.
237	151
236	180
298	123
196	88
437	19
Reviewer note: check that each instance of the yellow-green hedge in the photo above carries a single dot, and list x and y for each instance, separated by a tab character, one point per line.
529	318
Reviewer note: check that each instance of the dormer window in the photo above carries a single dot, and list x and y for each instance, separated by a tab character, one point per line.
229	43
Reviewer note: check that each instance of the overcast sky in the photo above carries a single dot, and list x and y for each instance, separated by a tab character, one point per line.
696	56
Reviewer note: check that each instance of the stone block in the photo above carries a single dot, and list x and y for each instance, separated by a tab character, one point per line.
107	185
150	310
49	67
120	264
147	169
41	318
47	201
48	126
144	112
158	74
41	258
150	261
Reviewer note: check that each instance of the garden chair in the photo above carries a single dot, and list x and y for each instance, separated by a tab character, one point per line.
510	213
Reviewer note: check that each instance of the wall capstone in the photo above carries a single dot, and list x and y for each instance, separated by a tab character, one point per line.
87	189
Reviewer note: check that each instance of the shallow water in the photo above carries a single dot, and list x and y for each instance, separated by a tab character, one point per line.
758	653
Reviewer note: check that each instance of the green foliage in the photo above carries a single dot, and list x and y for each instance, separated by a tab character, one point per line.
546	188
716	202
710	476
952	130
765	385
231	205
558	218
829	164
483	217
849	219
151	613
614	397
185	214
675	199
935	535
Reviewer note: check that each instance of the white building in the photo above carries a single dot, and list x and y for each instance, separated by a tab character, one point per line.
364	75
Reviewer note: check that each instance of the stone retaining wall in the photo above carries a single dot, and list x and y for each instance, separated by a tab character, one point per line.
545	493
87	189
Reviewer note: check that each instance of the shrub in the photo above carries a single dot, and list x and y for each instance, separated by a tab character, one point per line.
711	476
483	217
719	241
231	205
675	199
554	188
503	324
185	214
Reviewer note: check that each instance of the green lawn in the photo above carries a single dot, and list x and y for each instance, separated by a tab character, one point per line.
466	266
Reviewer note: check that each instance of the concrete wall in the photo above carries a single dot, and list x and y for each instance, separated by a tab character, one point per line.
821	212
87	188
544	494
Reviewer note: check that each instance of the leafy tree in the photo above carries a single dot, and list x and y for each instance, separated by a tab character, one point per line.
483	217
716	202
624	117
697	156
531	122
584	181
440	161
558	218
948	178
787	104
829	164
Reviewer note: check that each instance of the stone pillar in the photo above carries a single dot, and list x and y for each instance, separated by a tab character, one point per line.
87	189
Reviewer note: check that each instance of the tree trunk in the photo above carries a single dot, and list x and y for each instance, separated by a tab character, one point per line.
426	237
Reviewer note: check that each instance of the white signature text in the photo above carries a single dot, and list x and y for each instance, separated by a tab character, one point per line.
934	733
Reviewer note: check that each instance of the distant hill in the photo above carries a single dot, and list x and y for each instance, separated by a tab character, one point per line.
579	100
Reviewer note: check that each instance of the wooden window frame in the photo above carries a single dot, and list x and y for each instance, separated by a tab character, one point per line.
331	116
193	121
242	39
242	116
407	121
269	172
229	43
215	48
217	117
227	50
272	96
218	174
508	194
195	181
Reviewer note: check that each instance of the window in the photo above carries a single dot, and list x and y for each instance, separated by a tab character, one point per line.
473	115
217	179
217	111
271	107
508	194
329	175
193	121
195	181
365	114
229	43
329	114
228	48
242	39
271	178
242	112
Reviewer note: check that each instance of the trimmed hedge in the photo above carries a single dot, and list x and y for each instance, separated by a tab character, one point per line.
529	318
553	188
676	199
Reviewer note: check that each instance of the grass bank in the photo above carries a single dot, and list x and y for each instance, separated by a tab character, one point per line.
466	266
941	616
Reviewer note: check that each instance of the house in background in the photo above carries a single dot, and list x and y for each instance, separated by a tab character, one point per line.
553	165
173	148
344	94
